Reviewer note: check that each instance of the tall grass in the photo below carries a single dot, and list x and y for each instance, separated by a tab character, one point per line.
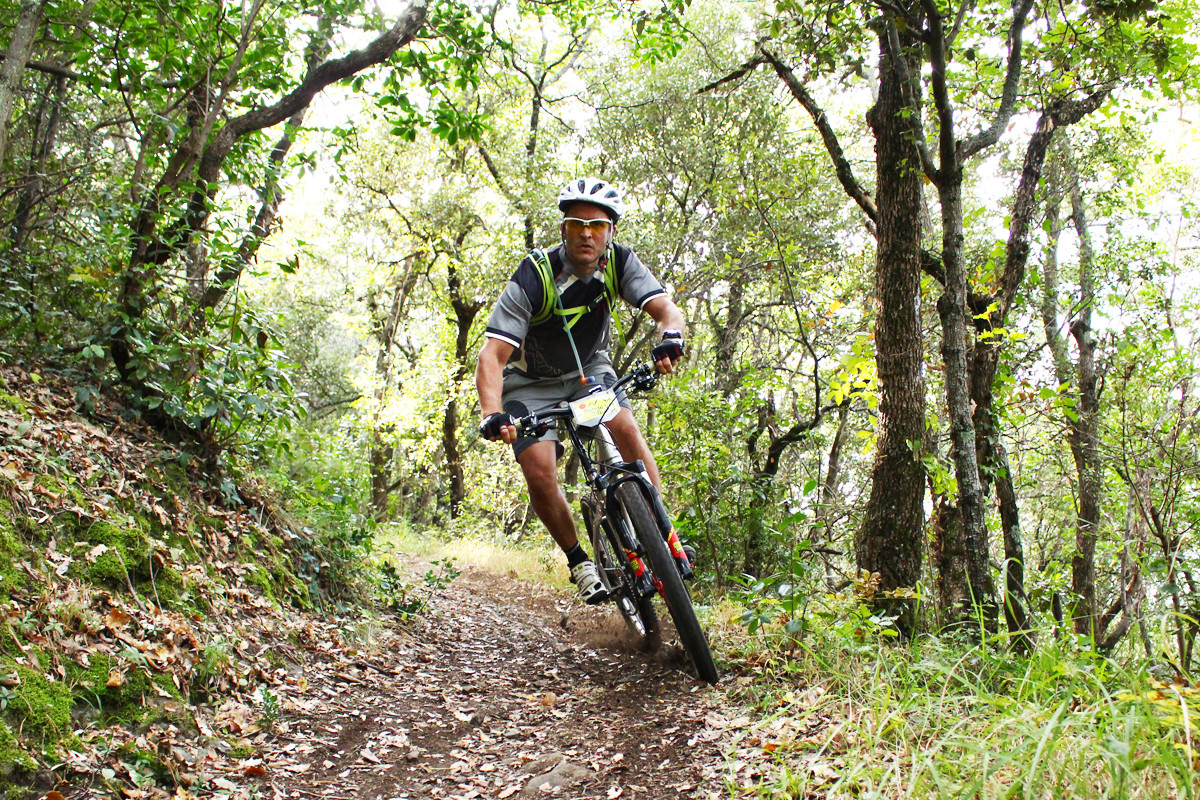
536	559
845	717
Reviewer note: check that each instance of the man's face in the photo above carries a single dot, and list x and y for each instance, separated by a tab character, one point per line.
586	232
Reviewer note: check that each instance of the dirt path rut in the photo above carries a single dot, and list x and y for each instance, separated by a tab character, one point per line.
504	690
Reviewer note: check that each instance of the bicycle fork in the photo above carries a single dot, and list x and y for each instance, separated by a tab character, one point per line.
663	518
635	472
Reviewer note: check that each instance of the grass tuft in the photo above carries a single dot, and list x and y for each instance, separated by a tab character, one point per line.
932	718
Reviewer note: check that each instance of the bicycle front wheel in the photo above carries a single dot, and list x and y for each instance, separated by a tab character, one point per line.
675	593
618	577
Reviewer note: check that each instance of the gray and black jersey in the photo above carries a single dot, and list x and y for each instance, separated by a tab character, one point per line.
542	348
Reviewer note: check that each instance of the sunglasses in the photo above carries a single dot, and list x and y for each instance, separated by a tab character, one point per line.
596	226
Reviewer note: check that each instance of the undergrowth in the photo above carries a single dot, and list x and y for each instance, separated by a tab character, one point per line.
847	710
138	602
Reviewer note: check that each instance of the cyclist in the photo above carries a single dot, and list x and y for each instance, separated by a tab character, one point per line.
548	331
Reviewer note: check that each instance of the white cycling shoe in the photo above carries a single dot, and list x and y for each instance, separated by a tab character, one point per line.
587	580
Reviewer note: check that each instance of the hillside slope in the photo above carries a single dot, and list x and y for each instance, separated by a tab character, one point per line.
146	625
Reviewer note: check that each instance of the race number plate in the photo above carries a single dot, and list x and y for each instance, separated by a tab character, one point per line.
595	408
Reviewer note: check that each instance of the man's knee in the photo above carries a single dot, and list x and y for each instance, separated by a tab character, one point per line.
625	431
539	467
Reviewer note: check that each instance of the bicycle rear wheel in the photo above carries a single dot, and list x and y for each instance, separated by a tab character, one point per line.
618	577
675	593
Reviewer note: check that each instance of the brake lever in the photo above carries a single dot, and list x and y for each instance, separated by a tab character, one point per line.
530	427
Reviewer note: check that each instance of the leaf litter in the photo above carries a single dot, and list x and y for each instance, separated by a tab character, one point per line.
499	686
487	695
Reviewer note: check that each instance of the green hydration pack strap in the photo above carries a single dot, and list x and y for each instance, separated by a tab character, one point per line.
551	304
552	300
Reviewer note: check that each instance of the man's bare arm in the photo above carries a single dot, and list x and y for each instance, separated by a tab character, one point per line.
489	381
669	318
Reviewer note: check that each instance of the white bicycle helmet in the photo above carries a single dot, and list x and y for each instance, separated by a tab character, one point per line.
595	191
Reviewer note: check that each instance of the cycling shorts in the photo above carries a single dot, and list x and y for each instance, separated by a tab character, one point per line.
524	395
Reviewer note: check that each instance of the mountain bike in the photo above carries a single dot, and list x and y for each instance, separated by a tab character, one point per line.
635	547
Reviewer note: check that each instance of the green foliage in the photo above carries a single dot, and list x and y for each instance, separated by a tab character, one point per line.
396	594
454	45
934	718
326	554
659	32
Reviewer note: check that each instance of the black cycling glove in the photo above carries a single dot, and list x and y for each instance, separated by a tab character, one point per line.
492	423
670	347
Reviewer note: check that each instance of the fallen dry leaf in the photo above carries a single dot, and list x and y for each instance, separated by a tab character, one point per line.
117	618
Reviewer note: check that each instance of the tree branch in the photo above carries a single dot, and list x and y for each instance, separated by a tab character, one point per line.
213	158
908	90
941	97
1024	205
794	434
1012	81
841	165
22	40
379	50
740	72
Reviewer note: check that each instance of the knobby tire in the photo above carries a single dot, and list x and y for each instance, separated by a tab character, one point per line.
675	593
640	615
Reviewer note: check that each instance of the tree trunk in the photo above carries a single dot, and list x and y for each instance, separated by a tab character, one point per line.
20	46
465	312
382	451
991	455
1086	429
379	462
1136	536
1083	420
956	355
891	541
1015	600
948	556
820	533
46	123
208	296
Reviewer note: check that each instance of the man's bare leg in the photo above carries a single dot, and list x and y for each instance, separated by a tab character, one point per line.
538	464
540	468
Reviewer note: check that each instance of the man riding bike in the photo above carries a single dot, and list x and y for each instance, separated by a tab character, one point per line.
547	342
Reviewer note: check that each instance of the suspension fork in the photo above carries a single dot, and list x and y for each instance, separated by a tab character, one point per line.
636	473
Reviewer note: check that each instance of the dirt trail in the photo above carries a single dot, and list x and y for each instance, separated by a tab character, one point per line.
504	687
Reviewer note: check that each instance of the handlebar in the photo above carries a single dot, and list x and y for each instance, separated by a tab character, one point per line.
642	377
